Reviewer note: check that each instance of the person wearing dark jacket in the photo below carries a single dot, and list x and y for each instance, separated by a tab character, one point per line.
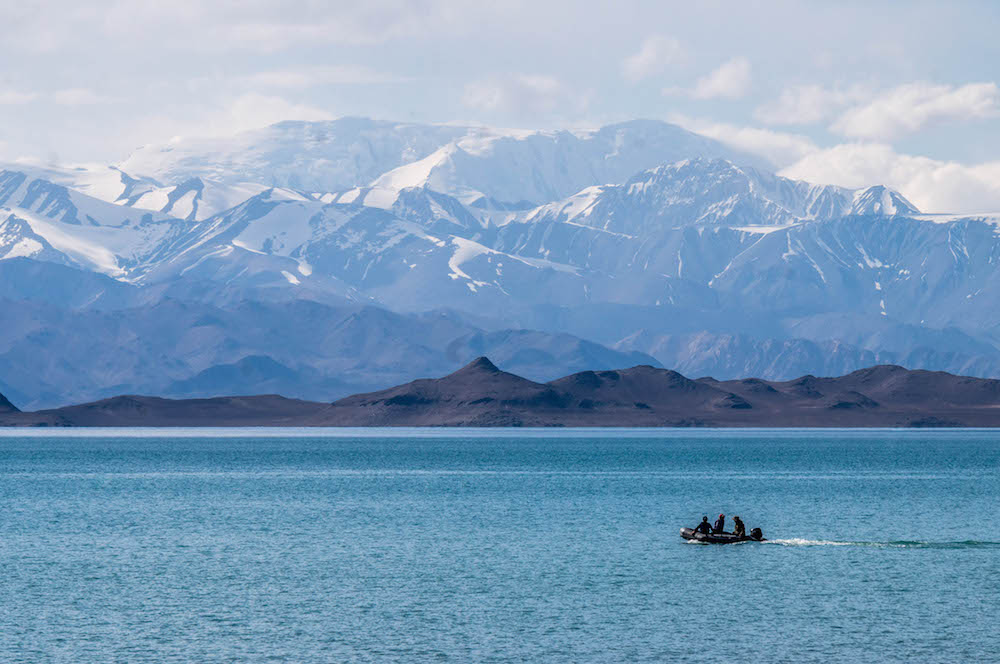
704	526
720	524
738	527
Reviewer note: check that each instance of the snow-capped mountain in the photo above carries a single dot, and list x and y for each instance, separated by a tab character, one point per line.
47	221
503	171
881	200
353	251
683	221
639	235
305	156
717	192
192	199
356	160
701	230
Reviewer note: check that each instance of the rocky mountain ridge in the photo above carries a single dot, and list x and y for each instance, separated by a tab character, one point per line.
481	395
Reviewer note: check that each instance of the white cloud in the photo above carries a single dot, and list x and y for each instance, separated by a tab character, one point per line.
251	111
524	93
808	104
254	25
656	54
731	80
779	148
932	185
79	97
308	77
15	97
277	35
248	111
911	107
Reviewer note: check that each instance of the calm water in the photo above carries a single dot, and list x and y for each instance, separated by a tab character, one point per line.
477	546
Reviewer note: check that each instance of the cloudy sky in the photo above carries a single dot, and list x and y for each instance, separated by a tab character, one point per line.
852	93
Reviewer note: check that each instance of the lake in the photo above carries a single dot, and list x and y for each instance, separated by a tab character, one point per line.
497	546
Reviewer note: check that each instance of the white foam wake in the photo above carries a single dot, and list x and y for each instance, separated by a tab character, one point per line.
894	544
798	541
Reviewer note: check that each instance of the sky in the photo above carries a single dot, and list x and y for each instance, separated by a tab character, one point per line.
851	93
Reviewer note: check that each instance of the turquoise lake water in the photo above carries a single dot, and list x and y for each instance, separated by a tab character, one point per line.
486	546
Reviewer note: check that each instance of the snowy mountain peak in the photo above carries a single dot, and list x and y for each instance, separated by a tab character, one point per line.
695	177
509	167
710	191
306	156
880	200
696	192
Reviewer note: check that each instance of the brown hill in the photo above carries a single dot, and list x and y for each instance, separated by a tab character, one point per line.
480	394
6	406
141	411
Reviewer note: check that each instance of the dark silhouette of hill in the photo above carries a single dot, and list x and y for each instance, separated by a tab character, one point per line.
142	411
478	394
482	395
6	406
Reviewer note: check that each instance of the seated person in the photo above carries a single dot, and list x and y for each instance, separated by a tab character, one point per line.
738	527
704	526
720	524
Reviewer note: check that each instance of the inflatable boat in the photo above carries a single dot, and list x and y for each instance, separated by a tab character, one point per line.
720	538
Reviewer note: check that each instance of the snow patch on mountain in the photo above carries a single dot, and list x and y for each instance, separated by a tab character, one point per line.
99	181
195	199
993	218
22	247
86	247
499	168
303	156
881	200
77	229
465	250
500	171
711	191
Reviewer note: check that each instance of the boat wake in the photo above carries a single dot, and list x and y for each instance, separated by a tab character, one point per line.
893	544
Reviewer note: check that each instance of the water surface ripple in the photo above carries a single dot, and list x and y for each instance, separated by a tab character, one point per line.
553	546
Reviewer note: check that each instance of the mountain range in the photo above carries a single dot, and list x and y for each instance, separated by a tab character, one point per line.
320	259
481	395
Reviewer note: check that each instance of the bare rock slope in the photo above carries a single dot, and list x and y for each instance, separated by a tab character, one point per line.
481	395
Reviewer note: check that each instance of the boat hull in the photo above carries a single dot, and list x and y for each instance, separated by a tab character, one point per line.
715	538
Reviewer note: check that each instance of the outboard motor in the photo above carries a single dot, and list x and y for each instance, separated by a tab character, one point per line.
756	534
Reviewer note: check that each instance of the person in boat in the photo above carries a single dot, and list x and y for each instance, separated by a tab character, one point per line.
704	526
738	528
720	524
